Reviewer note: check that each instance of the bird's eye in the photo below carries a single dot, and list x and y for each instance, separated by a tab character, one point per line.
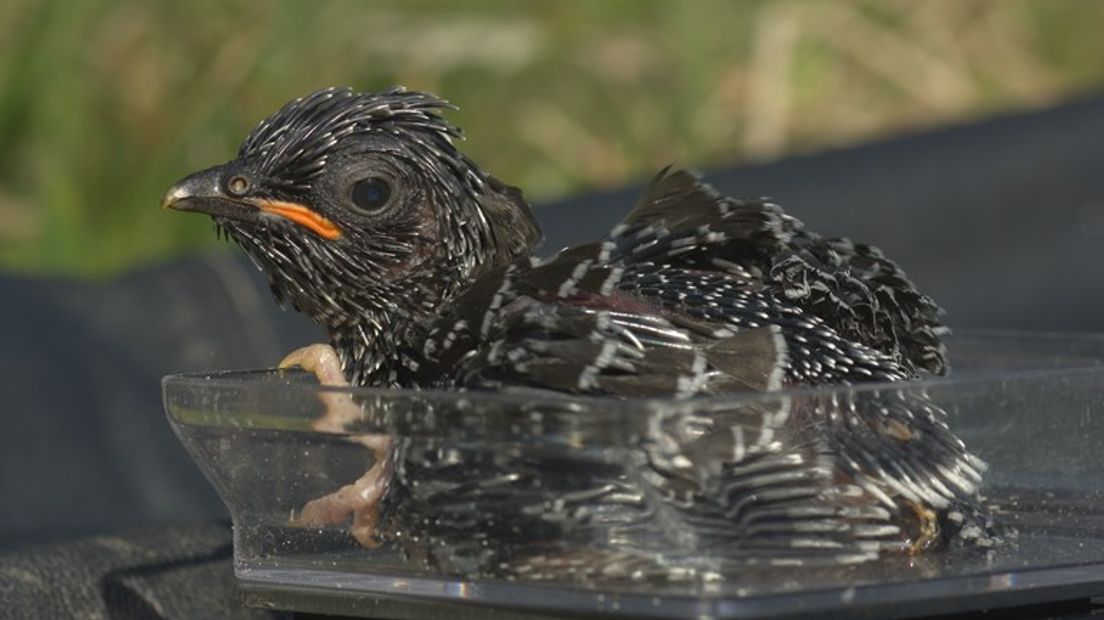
371	194
238	185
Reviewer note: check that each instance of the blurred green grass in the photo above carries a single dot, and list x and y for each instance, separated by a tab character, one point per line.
103	103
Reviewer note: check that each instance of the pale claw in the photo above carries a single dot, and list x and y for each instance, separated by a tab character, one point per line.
324	363
361	498
320	359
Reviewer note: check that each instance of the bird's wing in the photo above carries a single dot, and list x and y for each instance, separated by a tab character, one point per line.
751	478
603	345
864	295
587	323
701	343
682	222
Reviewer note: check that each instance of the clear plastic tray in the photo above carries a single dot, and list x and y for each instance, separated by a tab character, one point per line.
1032	406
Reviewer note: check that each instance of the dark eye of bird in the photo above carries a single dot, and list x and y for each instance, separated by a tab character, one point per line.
371	194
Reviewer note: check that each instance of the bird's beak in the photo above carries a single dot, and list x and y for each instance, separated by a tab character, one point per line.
202	193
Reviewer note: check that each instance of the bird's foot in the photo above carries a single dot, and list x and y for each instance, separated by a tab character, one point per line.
361	499
324	363
320	359
927	528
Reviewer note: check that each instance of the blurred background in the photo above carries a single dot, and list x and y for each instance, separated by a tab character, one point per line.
103	103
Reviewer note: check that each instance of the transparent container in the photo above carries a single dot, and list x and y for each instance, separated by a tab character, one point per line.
486	491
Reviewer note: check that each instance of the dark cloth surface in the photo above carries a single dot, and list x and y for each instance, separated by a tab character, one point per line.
1001	222
171	572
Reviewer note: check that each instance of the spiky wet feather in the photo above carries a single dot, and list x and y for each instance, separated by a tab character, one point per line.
293	145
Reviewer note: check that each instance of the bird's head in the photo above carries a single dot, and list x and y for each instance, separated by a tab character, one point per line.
357	203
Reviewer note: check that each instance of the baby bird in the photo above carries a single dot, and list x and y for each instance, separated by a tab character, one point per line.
365	216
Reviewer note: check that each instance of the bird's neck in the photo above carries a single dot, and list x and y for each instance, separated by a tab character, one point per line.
376	337
366	350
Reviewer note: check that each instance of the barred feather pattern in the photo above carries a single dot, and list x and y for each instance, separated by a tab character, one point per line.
678	289
704	298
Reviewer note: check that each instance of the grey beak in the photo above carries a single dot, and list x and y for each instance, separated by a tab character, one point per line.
202	193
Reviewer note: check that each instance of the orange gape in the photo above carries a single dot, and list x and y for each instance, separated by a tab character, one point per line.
302	216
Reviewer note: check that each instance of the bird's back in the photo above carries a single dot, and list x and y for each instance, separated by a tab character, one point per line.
691	293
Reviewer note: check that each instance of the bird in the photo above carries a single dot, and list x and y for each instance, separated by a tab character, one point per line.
423	269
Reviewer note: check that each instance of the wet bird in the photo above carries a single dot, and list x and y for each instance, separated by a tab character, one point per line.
365	216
